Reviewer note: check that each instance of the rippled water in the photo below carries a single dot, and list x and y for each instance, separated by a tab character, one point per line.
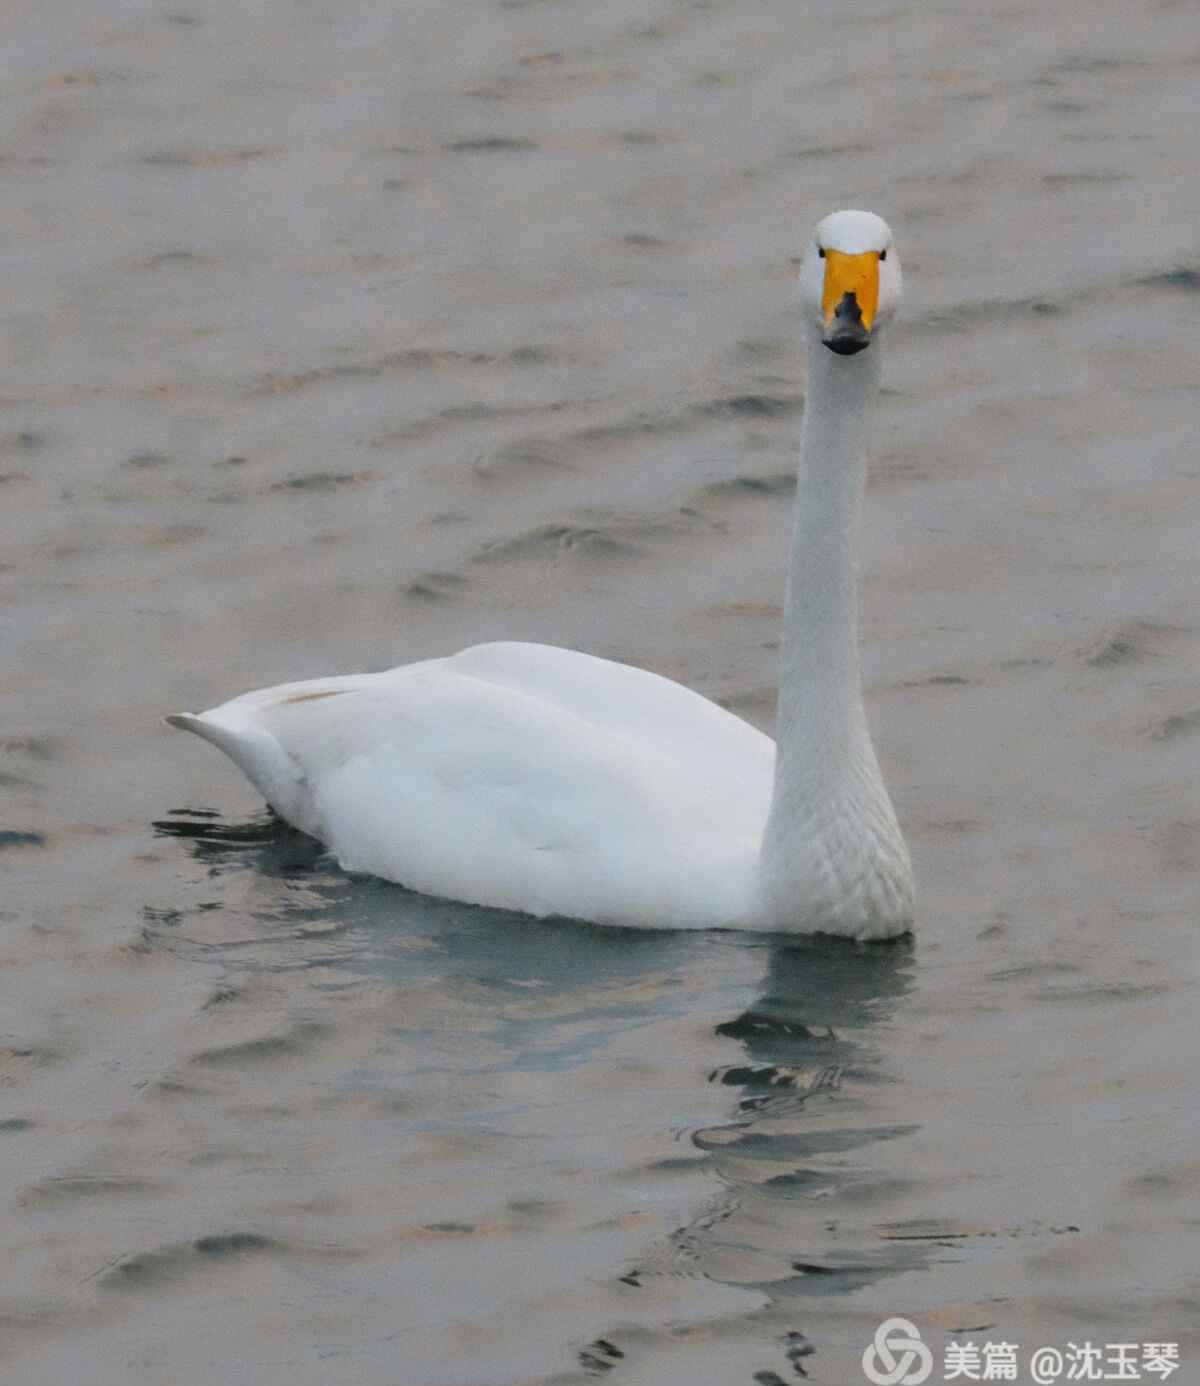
335	336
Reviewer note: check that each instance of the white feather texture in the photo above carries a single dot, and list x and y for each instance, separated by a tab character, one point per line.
551	782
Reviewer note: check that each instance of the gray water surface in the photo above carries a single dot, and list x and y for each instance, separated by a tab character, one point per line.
338	336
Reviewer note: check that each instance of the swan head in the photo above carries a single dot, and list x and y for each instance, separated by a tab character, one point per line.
850	279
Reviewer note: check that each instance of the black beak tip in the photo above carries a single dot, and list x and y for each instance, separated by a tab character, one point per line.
848	343
848	336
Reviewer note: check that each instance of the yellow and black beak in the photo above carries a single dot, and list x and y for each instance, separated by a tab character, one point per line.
850	299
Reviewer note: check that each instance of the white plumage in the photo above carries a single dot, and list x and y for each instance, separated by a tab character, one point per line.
547	781
521	776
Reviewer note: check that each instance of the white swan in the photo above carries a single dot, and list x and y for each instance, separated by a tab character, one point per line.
542	780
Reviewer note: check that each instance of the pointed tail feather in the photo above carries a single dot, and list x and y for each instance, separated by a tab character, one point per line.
260	758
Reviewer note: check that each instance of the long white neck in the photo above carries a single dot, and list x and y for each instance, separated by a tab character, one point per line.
832	855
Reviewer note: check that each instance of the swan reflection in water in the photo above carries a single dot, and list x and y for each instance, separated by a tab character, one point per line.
606	1017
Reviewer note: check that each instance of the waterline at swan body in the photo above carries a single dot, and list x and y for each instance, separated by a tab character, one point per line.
547	781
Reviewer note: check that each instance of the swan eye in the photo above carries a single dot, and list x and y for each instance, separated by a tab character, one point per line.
883	255
821	251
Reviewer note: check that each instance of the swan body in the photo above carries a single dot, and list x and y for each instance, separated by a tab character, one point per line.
551	782
521	776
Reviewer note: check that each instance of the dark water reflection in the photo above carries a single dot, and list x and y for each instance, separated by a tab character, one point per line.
819	1000
802	1025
